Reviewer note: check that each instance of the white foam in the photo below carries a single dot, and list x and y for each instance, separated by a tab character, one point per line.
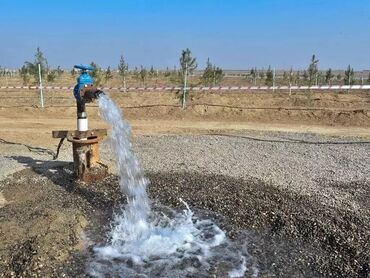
239	272
143	241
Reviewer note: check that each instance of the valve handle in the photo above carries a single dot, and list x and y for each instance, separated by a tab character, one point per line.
83	67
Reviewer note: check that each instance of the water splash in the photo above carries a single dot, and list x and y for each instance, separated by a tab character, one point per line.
145	242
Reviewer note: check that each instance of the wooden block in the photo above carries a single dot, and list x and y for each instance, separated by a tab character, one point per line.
79	134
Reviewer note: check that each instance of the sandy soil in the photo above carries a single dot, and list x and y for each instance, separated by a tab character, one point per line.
159	113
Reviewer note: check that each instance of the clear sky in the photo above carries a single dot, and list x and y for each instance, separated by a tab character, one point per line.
234	34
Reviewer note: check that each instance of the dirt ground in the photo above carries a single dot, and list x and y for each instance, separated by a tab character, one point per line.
333	113
287	235
45	215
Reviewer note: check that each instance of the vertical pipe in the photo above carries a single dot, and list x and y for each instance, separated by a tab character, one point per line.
41	93
185	86
6	79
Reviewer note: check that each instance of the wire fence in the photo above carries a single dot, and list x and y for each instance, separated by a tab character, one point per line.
60	96
203	88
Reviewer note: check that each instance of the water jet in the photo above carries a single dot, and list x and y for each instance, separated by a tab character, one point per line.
142	240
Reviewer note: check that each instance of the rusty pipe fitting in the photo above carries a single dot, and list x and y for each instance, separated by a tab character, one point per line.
90	93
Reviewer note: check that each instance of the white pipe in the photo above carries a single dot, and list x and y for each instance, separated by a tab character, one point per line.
82	124
41	93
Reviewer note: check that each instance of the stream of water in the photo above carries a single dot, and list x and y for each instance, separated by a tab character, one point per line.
146	242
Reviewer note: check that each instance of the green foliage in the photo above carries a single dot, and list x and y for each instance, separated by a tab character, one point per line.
187	62
339	77
143	74
108	74
254	74
329	76
212	75
261	74
52	75
313	70
32	68
96	74
349	76
290	77
368	79
123	70
25	75
285	76
305	75
297	77
269	81
153	72
167	72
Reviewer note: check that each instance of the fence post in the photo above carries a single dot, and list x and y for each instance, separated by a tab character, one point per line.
185	86
40	87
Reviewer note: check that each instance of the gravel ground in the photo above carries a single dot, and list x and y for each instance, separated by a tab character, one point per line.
301	207
286	160
294	165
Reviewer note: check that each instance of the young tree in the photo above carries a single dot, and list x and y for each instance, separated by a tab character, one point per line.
211	74
167	72
261	74
188	64
96	74
123	71
143	74
368	79
349	76
25	75
152	72
329	76
297	78
269	81
218	74
207	73
291	76
305	76
320	78
52	75
313	71
254	74
135	73
285	76
339	77
108	74
33	68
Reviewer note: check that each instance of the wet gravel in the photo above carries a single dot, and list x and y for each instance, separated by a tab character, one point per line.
287	234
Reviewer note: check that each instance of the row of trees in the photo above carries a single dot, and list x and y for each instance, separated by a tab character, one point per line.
211	75
310	76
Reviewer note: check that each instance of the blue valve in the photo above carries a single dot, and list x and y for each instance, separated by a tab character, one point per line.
83	80
83	68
